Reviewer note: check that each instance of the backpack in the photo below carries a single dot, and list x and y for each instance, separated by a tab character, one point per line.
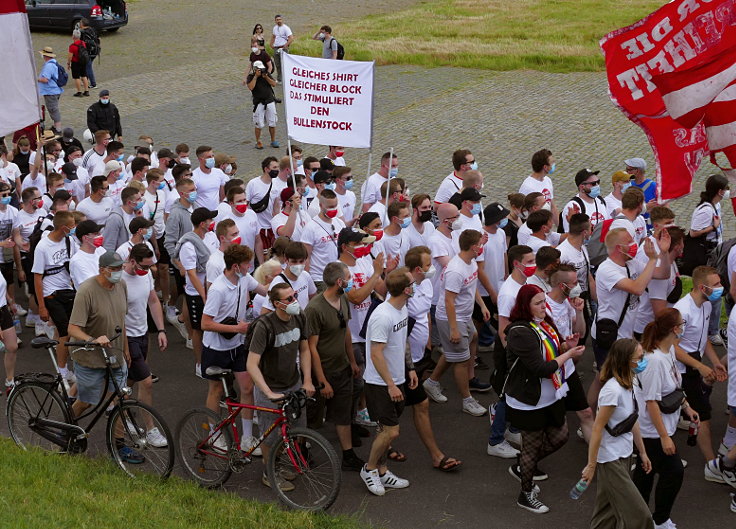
62	77
265	319
92	41
35	237
83	53
719	260
596	246
581	205
340	49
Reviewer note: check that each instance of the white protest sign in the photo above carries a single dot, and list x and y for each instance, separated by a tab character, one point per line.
328	102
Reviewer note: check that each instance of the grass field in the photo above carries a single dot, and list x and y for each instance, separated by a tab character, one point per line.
546	35
47	490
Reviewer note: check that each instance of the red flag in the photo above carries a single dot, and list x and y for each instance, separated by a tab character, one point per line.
18	91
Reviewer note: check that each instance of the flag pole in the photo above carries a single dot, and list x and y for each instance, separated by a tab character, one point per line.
293	168
388	182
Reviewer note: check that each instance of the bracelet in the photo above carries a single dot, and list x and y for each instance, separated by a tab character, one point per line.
161	330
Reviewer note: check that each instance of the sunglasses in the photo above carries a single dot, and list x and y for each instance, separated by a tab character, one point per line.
595	183
290	299
341	317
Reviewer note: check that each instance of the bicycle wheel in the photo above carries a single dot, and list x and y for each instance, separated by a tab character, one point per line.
139	440
310	459
30	401
204	453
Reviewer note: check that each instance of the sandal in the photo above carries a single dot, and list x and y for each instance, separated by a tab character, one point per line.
448	464
395	455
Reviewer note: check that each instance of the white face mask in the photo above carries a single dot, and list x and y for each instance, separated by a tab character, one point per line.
547	206
727	194
429	274
77	162
254	49
185	160
292	308
228	169
296	269
456	225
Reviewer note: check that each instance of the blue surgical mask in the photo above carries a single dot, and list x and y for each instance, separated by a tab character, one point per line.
715	294
641	365
476	209
305	192
553	168
349	184
139	205
161	186
209	163
594	191
148	234
120	158
5	200
331	186
73	232
192	196
625	186
349	286
405	223
474	166
299	163
503	223
393	172
105	101
121	176
116	276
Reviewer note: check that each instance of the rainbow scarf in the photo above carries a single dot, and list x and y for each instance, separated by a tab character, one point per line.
551	346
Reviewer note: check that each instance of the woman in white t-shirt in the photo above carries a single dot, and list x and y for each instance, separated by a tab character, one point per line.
656	387
615	431
265	274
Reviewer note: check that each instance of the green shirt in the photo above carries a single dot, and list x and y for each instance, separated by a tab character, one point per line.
324	321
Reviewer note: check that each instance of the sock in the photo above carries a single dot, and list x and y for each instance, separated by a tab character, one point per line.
467	399
730	438
347	453
433	382
247	427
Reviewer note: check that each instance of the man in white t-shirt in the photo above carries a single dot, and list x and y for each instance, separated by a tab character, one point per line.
421	227
295	276
98	205
630	218
370	193
320	236
282	181
236	208
227	234
292	219
344	182
462	162
93	158
281	39
141	232
85	262
492	263
395	239
385	375
335	155
541	224
458	294
395	194
141	296
588	200
28	216
573	252
210	180
534	201
620	181
470	209
543	165
261	196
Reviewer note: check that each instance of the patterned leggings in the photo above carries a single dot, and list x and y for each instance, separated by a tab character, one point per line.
537	445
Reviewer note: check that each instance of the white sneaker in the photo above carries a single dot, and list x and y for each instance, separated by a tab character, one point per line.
219	442
198	370
579	433
472	407
513	438
373	481
179	326
32	319
714	471
189	344
503	450
70	377
171	314
131	429
684	463
434	391
392	481
19	311
683	424
246	443
364	419
715	339
40	327
733	502
156	439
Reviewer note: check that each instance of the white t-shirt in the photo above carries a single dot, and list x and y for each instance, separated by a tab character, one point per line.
493	259
156	204
564	316
39	182
114	192
440	246
8	218
322	236
97	212
215	265
696	326
258	302
614	448
596	210
91	160
732	359
139	289
282	218
222	302
450	185
420	239
248	224
535	243
282	34
51	256
346	205
704	216
611	300
613	204
208	187
255	191
578	259
522	236
532	185
171	197
124	250
303	286
394	245
731	262
387	325
462	279
660	378
372	189
188	258
380	208
469	223
338	161
3	291
25	222
84	265
361	272
540	282
11	171
637	229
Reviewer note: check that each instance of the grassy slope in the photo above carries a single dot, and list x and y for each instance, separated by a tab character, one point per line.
547	35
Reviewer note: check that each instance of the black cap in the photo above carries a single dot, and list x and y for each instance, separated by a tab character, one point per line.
471	193
320	177
86	227
139	223
67	135
200	215
494	213
367	217
70	170
165	153
583	175
104	93
325	164
61	194
348	235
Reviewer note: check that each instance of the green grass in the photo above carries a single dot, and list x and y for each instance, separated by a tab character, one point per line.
48	490
546	35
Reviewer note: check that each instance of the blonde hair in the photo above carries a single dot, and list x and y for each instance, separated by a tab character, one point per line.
262	271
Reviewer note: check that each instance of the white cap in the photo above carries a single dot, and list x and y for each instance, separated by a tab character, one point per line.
112	165
258	65
636	163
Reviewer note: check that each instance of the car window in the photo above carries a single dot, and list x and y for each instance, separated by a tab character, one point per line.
38	2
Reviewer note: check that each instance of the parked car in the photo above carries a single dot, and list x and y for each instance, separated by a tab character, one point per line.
64	15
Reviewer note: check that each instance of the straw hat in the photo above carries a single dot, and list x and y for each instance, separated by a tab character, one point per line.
48	51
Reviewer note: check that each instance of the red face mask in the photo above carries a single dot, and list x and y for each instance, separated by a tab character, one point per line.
633	248
331	213
236	240
528	270
98	241
339	153
361	251
39	204
241	208
378	234
403	198
211	226
140	272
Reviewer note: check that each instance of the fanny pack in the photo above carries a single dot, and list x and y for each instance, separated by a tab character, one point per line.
261	205
606	330
627	424
672	402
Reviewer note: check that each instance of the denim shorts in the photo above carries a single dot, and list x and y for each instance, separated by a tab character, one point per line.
91	381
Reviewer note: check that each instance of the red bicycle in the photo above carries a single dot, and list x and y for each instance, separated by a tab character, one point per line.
209	447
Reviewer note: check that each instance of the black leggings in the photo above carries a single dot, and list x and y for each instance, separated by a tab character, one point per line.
671	473
537	445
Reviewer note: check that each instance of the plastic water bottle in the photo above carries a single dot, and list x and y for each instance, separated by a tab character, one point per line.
577	491
2	347
18	326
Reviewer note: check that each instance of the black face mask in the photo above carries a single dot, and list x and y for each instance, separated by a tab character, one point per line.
273	173
170	164
425	216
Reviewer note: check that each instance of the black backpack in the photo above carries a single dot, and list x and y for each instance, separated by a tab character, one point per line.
264	319
92	41
83	54
718	259
340	49
35	237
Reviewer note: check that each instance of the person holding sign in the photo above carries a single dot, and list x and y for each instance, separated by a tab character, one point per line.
261	84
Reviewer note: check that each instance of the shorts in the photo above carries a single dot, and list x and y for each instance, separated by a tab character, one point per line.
91	381
164	257
265	114
195	306
6	318
416	395
233	359
6	269
79	70
478	314
456	352
25	264
266	419
552	416
59	304
380	406
697	391
138	347
600	354
52	107
267	238
575	400
339	407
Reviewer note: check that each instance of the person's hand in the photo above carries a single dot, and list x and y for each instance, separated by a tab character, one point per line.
572	340
274	396
705	371
578	304
378	264
454	335
7	243
649	250
296	201
309	388
241	327
577	352
664	241
646	465
355	368
43	313
574	209
395	393
413	379
484	238
588	472
120	139
691	414
257	72
163	342
21	275
103	340
486	313
392	263
668	447
716	222
720	372
327	391
25	247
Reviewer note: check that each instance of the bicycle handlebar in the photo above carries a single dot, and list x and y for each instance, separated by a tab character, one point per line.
81	343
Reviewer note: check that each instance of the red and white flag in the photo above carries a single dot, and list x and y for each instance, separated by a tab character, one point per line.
18	89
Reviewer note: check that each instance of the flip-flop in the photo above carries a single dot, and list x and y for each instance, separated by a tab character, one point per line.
395	455
448	464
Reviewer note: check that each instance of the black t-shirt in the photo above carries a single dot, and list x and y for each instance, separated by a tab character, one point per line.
264	57
262	91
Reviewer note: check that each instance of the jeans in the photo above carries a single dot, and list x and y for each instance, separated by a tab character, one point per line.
671	473
91	73
715	317
498	426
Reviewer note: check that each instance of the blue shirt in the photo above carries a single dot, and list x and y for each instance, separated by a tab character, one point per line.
649	187
50	72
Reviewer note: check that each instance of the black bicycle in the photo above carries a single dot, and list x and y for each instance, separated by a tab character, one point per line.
39	414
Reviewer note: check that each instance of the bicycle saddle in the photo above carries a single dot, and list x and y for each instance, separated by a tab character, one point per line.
215	371
43	342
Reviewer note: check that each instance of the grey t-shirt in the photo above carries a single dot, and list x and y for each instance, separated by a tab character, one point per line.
328	45
278	362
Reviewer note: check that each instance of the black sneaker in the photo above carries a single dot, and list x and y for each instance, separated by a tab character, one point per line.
539	475
477	385
351	462
529	501
85	93
724	336
154	378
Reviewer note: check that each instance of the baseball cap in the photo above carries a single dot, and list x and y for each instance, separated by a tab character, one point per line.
222	158
70	170
348	235
259	65
201	215
636	163
493	213
61	194
112	165
86	227
165	153
583	175
104	93
286	194
110	258
620	176
320	177
367	217
471	193
67	135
